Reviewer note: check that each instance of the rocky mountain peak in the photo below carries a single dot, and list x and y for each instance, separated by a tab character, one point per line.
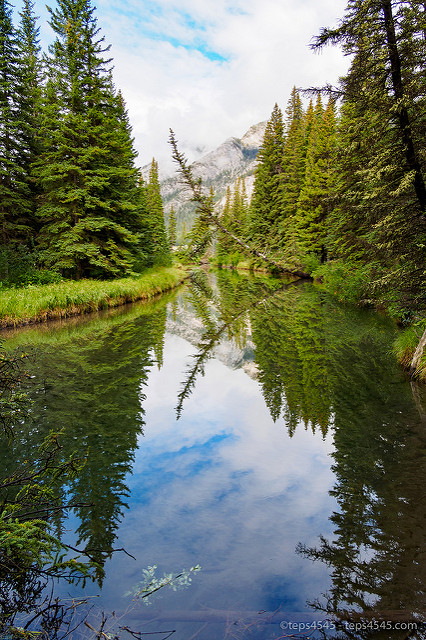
235	158
253	138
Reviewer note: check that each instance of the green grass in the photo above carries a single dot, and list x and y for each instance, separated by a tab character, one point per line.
59	332
405	345
38	303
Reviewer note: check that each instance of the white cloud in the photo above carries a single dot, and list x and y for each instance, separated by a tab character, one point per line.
164	55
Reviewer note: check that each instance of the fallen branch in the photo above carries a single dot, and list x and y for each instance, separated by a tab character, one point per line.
205	208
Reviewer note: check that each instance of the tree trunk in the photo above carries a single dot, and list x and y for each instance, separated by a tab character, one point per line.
418	355
402	111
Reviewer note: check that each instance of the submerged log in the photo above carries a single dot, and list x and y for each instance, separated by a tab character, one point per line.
273	617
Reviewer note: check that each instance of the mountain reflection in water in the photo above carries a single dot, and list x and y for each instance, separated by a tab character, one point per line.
317	454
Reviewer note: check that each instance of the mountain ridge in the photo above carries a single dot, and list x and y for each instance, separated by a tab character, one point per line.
234	158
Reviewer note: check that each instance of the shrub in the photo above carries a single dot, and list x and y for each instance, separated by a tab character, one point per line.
349	282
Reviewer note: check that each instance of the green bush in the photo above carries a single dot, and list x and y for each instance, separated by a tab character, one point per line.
19	267
349	282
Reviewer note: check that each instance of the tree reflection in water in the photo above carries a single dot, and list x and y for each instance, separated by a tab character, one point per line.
99	375
328	367
320	366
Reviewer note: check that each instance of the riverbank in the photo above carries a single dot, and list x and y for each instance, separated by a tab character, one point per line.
38	303
348	286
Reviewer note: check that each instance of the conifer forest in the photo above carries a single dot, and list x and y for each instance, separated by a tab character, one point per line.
270	411
73	202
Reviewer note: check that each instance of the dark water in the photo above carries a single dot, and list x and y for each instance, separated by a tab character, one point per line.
295	475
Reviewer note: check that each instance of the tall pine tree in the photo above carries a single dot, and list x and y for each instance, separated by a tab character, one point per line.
89	210
159	244
15	204
382	215
293	163
317	194
267	200
30	103
171	229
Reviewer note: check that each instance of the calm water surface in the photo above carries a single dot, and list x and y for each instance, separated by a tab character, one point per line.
262	432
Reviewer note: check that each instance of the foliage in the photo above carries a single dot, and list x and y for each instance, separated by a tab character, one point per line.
235	217
208	221
382	195
88	206
70	189
348	281
405	346
172	228
266	205
30	553
150	584
159	249
20	267
15	207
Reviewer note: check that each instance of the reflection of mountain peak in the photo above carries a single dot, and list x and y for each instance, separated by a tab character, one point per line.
251	369
184	324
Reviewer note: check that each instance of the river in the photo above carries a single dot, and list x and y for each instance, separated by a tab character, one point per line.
256	429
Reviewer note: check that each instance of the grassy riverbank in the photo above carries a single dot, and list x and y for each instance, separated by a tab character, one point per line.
72	297
405	347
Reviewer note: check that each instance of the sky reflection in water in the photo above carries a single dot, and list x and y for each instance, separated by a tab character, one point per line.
226	488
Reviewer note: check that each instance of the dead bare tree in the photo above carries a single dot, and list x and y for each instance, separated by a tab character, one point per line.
205	210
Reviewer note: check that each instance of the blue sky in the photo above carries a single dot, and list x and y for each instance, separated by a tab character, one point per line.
210	69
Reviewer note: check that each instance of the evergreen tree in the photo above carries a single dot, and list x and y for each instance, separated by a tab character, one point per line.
234	218
160	247
89	210
223	245
267	201
293	163
30	104
381	219
15	209
172	227
316	196
239	208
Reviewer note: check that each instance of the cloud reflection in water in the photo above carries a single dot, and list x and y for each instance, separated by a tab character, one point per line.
226	488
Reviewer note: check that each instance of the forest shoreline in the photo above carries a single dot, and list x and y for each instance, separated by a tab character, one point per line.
409	347
40	303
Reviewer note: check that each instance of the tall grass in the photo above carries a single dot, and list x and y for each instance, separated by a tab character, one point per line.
405	345
37	303
60	331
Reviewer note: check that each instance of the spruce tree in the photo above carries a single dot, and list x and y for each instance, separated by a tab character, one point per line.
234	218
171	228
31	77
381	220
267	201
89	210
316	196
15	207
293	168
224	242
160	246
